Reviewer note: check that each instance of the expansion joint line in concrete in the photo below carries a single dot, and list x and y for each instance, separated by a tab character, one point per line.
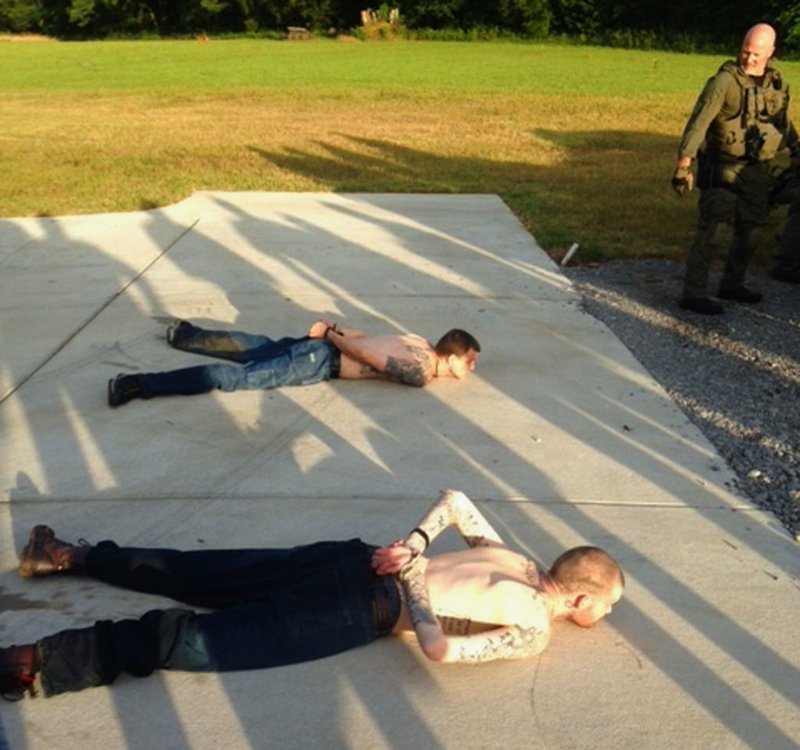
279	497
124	288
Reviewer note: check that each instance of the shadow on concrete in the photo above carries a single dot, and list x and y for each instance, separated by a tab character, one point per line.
424	275
593	178
754	345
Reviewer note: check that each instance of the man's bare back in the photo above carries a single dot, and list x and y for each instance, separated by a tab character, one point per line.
407	356
403	358
488	602
481	588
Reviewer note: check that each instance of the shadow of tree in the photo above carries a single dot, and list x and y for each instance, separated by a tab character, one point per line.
611	181
291	261
757	348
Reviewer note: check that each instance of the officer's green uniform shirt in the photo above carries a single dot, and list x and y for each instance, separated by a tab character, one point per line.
733	107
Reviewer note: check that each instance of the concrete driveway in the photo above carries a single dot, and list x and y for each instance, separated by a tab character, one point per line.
560	436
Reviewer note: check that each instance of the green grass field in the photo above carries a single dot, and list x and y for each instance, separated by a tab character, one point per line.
579	141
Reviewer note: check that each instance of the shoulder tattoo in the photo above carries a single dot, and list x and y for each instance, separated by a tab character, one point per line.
405	371
532	575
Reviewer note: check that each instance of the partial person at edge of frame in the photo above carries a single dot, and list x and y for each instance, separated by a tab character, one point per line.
738	125
283	606
327	352
786	265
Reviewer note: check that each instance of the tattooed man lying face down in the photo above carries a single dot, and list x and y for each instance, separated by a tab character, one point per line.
488	602
328	351
272	607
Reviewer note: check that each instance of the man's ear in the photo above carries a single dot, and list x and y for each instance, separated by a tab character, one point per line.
580	601
455	365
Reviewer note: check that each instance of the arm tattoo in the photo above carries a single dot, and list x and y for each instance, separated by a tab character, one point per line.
407	371
476	541
455	625
455	508
417	597
512	642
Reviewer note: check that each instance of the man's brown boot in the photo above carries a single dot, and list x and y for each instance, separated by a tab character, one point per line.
44	554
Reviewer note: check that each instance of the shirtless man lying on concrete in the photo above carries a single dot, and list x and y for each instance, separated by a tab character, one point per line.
326	352
482	603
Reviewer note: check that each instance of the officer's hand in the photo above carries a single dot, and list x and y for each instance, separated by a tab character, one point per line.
683	181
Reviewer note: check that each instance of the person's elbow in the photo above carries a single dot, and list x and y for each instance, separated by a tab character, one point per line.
412	377
436	648
416	378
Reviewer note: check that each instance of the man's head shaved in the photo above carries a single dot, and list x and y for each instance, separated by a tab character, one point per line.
761	34
758	47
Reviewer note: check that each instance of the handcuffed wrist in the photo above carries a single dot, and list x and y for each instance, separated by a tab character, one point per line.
423	534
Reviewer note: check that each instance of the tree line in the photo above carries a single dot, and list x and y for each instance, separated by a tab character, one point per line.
673	24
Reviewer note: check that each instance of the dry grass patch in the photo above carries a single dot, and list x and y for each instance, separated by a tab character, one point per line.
575	167
566	177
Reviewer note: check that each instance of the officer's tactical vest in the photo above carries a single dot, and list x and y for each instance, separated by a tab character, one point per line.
757	130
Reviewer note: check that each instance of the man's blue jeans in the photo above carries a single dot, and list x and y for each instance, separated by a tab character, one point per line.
264	363
272	607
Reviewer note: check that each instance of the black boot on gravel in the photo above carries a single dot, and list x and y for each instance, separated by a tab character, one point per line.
701	306
741	294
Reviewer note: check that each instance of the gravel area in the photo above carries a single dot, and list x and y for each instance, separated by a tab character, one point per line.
736	376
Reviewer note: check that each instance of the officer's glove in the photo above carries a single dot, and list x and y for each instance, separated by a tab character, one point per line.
683	181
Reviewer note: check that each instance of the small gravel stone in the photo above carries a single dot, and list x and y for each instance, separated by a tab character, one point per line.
736	376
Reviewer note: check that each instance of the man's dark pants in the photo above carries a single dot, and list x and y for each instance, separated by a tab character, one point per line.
271	607
736	192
